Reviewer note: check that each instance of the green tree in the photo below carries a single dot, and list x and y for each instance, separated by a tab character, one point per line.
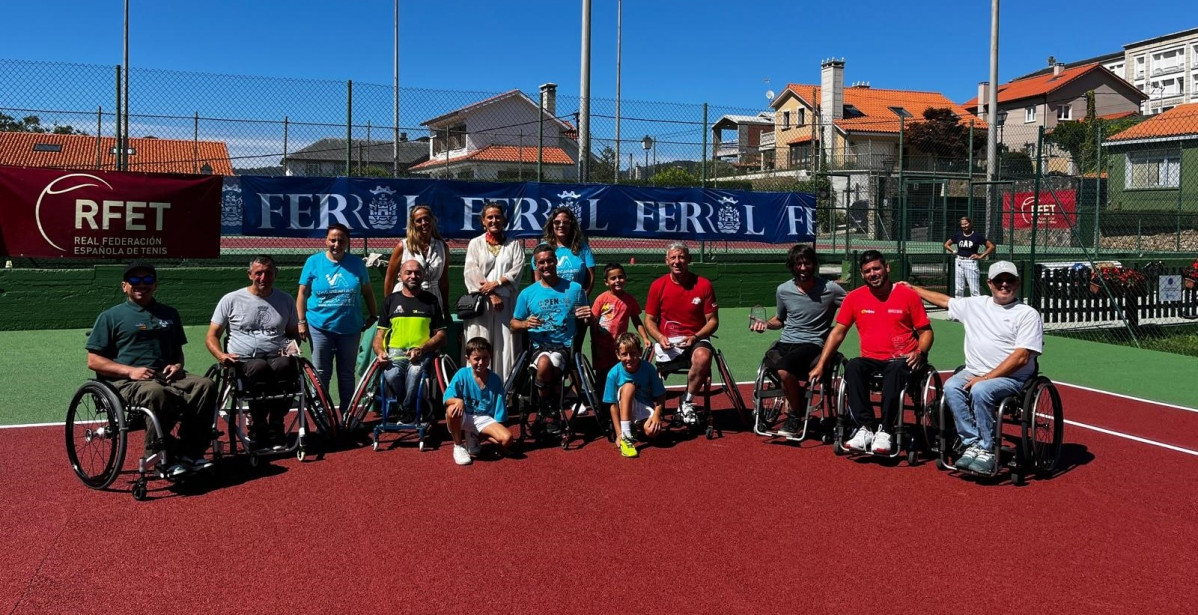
603	169
32	123
674	176
942	134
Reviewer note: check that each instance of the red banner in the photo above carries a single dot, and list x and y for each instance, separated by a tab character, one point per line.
1058	209
106	214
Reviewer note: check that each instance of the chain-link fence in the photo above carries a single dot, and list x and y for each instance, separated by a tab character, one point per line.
1100	213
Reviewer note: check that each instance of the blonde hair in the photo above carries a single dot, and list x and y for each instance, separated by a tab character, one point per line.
629	339
411	240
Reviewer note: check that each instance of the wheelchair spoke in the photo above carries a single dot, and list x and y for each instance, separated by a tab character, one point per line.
95	435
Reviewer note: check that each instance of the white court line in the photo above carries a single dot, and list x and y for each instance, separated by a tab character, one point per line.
1131	397
1131	437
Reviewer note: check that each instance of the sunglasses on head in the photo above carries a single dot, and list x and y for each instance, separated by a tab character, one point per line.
136	280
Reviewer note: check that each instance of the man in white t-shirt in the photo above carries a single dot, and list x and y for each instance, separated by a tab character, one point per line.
1003	337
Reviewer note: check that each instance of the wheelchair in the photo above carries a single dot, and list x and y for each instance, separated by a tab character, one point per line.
770	404
373	394
1037	419
578	397
921	397
97	433
705	421
313	412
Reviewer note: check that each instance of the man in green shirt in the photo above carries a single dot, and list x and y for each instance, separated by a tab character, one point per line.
137	347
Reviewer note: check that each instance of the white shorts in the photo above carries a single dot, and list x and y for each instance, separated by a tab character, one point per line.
476	423
556	358
640	410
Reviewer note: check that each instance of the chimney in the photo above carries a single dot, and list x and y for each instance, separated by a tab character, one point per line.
831	99
549	98
403	136
983	99
1057	69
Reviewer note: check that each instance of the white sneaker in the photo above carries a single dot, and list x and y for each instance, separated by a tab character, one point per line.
861	439
461	456
472	445
687	410
881	443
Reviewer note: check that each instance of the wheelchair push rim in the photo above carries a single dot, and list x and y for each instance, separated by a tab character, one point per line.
319	407
1043	425
95	435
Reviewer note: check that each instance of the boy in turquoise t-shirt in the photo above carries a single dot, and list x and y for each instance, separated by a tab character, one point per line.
474	404
635	392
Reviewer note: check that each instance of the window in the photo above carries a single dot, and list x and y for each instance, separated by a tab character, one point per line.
47	147
449	138
466	174
786	120
1065	113
801	117
1029	114
1139	67
312	169
850	112
1153	169
1169	61
509	175
1165	88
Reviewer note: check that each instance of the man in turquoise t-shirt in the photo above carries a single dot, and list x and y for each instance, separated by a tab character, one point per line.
546	310
137	347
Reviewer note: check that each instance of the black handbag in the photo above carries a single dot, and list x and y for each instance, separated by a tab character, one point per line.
470	305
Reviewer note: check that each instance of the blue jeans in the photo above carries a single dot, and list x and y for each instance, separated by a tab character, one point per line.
327	347
975	411
402	379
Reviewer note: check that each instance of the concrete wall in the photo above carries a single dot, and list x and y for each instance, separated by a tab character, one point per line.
33	299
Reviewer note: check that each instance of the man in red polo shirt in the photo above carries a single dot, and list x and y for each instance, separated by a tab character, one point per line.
680	315
895	339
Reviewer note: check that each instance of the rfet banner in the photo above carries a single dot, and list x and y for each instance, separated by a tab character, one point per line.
106	214
304	207
1058	209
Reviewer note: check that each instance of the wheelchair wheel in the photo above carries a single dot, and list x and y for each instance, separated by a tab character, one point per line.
842	410
590	392
1043	426
363	399
733	390
95	434
767	408
322	411
927	411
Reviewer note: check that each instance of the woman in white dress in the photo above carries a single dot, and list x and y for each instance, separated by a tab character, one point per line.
494	266
425	246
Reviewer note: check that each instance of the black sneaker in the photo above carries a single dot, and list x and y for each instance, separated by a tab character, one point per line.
790	427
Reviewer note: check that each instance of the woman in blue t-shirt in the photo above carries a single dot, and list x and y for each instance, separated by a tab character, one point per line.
329	303
574	259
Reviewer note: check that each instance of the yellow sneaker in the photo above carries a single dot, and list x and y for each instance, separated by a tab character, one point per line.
628	447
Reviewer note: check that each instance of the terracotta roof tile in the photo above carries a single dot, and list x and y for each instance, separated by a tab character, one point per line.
874	105
1176	122
79	152
503	153
1039	85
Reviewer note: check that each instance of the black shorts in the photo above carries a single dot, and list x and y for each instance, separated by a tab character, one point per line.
798	359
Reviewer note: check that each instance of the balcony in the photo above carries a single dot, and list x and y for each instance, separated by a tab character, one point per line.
727	150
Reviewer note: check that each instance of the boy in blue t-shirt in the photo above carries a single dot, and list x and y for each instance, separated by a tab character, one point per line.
474	404
635	392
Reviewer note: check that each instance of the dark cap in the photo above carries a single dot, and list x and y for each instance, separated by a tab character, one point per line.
138	265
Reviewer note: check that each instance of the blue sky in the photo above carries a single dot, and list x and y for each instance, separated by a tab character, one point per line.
674	50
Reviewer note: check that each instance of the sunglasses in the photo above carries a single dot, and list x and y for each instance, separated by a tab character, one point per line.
136	280
561	223
1005	281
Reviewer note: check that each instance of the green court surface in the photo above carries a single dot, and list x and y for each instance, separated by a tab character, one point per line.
42	369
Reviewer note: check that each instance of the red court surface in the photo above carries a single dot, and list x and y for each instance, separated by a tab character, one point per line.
737	525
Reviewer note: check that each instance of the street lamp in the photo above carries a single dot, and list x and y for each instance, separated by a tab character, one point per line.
647	143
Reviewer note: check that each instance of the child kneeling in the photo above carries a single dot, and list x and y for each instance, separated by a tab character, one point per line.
474	404
635	392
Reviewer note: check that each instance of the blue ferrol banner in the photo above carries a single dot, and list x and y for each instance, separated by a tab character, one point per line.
305	206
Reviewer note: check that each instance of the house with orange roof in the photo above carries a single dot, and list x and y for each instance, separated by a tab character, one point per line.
146	154
1154	164
855	127
1047	98
502	138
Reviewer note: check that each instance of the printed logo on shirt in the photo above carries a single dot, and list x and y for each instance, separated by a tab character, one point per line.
696	300
894	311
867	311
333	279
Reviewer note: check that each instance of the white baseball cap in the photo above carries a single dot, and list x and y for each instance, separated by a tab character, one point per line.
1002	267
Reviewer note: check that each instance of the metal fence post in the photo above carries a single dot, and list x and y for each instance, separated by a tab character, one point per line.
116	151
286	131
349	124
195	144
1036	208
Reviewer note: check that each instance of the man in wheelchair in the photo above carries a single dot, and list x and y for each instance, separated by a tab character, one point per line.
262	322
1003	337
895	337
137	347
547	310
681	314
807	305
411	330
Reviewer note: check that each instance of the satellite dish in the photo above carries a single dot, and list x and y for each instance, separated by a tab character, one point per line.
769	94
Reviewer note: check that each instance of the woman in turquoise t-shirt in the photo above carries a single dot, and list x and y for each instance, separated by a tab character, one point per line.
331	287
574	259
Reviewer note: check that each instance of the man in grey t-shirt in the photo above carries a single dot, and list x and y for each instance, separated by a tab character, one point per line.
261	322
806	308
